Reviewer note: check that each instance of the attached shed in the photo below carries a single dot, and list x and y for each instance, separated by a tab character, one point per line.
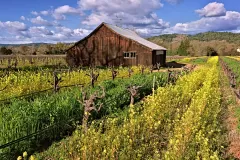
111	45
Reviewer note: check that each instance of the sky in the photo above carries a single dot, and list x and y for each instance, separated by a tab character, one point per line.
52	21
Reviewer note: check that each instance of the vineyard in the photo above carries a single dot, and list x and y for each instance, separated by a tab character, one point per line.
121	112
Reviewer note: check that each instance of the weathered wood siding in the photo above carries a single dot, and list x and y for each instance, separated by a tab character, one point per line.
105	47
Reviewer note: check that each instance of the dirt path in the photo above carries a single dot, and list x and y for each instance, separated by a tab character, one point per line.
234	133
231	102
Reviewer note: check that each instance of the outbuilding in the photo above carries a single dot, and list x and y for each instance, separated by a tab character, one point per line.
112	45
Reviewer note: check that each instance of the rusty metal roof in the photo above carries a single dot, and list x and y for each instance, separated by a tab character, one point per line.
134	36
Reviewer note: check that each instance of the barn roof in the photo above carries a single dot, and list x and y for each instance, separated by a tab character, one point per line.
134	36
128	34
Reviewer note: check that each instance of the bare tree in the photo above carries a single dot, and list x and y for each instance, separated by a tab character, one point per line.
173	76
114	72
15	63
93	76
130	71
56	81
151	68
134	92
158	65
142	69
89	106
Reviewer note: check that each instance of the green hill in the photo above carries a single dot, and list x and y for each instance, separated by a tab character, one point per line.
225	43
207	36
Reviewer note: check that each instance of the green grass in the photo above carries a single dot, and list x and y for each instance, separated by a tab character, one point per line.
26	116
199	61
235	67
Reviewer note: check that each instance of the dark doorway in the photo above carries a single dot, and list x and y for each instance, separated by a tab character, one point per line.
159	57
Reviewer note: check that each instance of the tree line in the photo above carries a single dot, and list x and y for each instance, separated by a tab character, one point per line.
46	49
202	44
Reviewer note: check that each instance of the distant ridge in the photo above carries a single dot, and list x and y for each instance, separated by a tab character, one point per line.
27	44
205	36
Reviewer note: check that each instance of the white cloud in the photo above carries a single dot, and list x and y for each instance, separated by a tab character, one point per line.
43	34
213	9
34	13
81	32
66	9
13	26
145	25
135	7
97	18
231	21
137	14
60	12
40	21
59	16
45	13
14	40
23	18
39	31
64	31
67	32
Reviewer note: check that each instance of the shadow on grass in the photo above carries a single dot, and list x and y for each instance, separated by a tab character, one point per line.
174	64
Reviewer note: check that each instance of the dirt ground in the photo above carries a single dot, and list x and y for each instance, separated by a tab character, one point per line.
231	121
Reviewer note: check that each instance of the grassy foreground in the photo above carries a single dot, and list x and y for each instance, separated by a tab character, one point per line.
176	122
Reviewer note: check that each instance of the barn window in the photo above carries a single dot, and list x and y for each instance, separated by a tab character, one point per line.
129	54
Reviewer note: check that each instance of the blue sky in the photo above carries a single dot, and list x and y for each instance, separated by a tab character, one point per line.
55	21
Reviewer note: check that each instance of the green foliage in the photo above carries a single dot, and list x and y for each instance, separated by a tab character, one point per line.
31	62
209	36
198	61
5	51
59	48
32	115
211	51
177	121
183	48
224	43
235	67
171	52
165	37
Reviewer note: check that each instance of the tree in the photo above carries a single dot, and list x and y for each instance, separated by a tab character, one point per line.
5	51
24	49
59	48
211	51
49	49
183	48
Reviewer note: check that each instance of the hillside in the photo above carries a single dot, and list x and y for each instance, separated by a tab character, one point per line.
221	36
207	36
27	44
225	43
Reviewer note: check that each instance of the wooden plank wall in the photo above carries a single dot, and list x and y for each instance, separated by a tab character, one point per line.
105	47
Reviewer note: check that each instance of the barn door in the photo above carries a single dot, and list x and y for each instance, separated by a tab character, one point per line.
158	57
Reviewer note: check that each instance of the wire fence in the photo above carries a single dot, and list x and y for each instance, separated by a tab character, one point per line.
52	89
35	134
47	129
51	127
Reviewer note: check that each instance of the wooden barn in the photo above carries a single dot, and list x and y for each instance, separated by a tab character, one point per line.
111	45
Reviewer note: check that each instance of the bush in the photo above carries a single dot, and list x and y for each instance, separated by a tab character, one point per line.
5	51
183	48
211	51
